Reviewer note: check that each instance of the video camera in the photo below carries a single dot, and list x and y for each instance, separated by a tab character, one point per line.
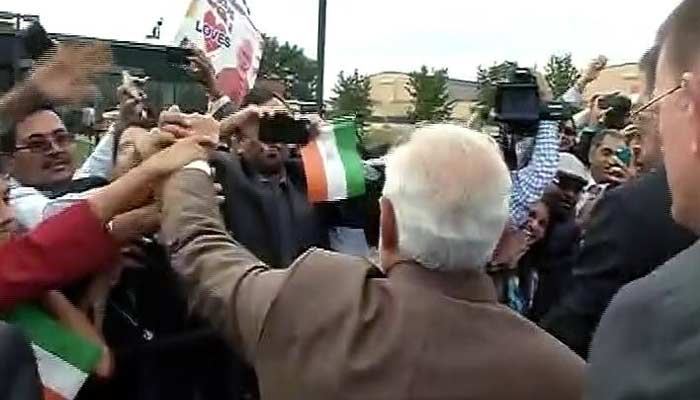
518	104
617	109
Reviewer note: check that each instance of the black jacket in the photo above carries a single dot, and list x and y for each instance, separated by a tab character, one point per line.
630	233
251	212
554	272
160	351
18	374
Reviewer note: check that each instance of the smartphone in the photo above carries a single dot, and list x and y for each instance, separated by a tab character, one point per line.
624	154
35	40
282	128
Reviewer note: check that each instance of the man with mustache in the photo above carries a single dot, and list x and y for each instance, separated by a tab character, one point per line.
41	148
609	158
271	213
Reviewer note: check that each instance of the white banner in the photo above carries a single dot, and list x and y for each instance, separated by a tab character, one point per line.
223	29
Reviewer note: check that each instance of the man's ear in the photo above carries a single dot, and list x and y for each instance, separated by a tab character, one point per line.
389	231
691	85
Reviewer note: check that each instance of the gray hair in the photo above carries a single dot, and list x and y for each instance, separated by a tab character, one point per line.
450	190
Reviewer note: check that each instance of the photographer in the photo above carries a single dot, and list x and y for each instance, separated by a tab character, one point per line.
608	111
531	177
266	205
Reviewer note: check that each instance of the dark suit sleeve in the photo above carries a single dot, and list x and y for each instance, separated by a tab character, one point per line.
225	283
622	339
604	265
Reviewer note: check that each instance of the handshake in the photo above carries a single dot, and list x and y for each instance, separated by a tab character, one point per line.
178	140
182	138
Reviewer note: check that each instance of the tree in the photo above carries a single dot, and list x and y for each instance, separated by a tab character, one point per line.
352	96
288	62
430	98
486	79
561	74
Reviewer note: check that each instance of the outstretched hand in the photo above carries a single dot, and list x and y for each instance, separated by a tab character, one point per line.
68	75
594	68
184	125
179	154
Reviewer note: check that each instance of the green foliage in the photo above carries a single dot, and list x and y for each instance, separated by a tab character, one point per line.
430	98
287	60
561	74
351	96
486	79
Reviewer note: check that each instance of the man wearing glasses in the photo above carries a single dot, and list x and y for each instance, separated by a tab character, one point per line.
651	330
44	177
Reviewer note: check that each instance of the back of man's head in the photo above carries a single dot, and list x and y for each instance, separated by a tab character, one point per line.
680	35
449	188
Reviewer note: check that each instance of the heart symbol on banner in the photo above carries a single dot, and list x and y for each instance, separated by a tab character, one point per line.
215	29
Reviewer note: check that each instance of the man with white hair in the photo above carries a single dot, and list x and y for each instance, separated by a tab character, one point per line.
425	324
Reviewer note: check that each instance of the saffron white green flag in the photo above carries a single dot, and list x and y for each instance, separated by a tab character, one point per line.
332	164
64	359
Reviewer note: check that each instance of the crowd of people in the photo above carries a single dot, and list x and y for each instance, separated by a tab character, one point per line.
185	249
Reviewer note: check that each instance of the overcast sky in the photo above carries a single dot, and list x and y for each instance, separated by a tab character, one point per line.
397	35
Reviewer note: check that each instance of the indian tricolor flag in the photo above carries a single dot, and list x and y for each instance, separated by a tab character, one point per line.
64	360
332	164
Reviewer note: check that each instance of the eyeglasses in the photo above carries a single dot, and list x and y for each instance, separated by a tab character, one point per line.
657	99
41	144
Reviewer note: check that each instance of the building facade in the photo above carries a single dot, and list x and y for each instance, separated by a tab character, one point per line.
391	100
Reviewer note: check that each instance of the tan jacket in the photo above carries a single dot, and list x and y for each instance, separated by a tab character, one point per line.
335	327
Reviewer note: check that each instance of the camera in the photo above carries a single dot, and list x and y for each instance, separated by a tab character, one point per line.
617	109
518	104
283	128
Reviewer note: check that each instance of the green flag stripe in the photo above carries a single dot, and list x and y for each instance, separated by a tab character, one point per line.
346	140
46	333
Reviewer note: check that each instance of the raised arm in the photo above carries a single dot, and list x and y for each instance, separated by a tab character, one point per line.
62	249
226	284
75	243
529	182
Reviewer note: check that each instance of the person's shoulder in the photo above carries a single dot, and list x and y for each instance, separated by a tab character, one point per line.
679	273
338	275
641	189
324	261
646	298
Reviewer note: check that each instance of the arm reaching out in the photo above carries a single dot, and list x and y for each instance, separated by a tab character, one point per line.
529	182
75	243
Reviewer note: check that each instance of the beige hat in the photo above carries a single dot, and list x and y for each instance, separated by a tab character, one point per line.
570	165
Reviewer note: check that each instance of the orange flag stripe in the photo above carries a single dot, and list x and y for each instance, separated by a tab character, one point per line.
316	184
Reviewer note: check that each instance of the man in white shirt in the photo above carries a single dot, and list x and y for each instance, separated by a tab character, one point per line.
43	153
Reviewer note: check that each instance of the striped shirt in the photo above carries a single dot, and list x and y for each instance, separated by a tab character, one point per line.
530	182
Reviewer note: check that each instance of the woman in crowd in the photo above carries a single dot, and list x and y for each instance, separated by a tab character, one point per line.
513	266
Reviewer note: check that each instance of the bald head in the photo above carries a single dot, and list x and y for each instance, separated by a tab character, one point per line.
449	188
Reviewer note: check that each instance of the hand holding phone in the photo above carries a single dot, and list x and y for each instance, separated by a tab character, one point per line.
284	128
